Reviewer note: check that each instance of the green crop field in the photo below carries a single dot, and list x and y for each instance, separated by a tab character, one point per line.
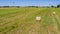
22	21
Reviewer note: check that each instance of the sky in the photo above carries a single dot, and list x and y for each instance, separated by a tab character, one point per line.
29	2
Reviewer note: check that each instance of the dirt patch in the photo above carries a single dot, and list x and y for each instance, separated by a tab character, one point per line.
50	29
35	29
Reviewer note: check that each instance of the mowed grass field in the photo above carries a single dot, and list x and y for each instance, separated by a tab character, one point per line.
22	21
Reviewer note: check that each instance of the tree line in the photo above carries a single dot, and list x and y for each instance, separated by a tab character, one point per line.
58	6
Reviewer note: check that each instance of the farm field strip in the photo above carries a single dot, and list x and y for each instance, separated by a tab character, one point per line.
22	21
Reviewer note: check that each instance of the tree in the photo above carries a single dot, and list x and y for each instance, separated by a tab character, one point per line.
58	6
52	6
6	6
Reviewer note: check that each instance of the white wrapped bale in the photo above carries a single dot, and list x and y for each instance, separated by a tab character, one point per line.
38	18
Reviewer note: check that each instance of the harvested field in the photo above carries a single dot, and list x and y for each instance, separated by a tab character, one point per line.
23	21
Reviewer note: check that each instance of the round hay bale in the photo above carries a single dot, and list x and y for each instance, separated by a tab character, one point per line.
38	18
53	13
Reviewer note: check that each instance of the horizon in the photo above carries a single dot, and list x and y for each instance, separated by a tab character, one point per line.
29	2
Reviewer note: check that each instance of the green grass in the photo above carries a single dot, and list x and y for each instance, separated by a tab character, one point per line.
12	20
